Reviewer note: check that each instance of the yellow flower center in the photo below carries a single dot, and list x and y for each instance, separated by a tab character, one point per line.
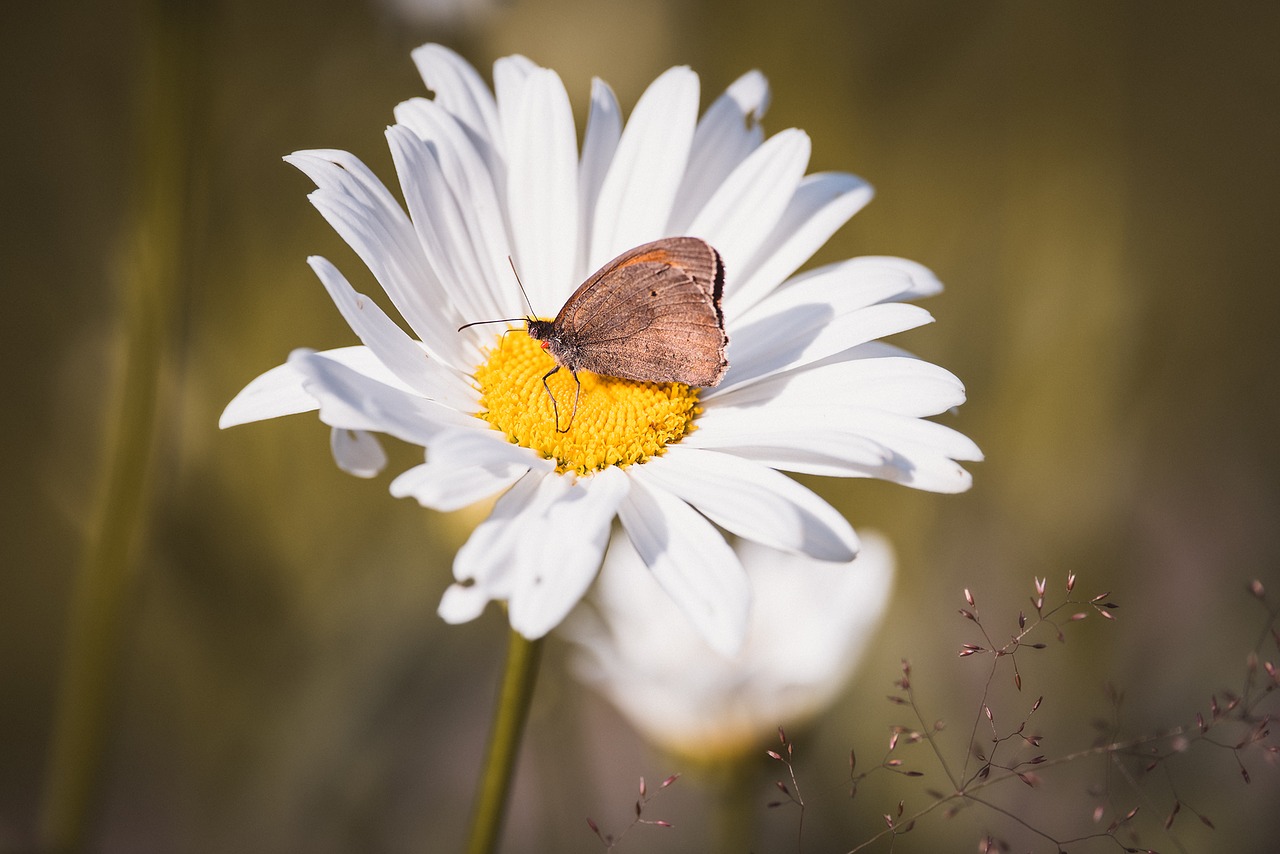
617	422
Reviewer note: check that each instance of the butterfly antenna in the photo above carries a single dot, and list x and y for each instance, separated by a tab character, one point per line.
499	320
523	292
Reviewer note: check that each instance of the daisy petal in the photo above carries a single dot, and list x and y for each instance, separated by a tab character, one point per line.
760	348
471	188
916	465
805	334
444	230
690	559
402	355
273	394
893	383
850	285
727	133
562	558
459	89
485	565
462	603
279	391
353	401
357	452
823	202
364	213
539	549
755	502
463	467
843	441
599	142
639	191
542	189
509	75
746	207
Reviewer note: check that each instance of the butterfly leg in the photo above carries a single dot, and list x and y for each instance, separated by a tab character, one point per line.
576	394
555	409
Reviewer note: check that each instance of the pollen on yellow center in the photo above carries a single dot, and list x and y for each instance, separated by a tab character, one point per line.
617	422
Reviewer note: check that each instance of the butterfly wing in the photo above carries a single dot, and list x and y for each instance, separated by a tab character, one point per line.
651	314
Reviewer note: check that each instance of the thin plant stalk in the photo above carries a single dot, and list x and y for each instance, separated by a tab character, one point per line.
146	271
514	699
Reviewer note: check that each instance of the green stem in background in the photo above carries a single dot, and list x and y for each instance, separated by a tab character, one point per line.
504	742
146	272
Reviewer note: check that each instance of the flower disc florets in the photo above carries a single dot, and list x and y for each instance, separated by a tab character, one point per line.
615	422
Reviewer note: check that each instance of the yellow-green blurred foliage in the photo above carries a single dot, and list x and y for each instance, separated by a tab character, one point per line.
1097	184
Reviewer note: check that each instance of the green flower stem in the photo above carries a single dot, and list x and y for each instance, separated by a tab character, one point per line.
504	742
146	272
732	783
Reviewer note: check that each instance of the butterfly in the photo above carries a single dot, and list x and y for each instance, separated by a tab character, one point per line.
650	315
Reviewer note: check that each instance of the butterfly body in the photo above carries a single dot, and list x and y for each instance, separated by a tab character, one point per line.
651	315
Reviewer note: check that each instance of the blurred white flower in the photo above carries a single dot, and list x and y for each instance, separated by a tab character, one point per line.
810	621
495	178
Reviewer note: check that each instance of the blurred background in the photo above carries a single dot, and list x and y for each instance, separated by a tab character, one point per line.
1095	182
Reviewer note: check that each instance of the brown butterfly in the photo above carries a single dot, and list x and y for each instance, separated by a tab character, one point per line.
651	315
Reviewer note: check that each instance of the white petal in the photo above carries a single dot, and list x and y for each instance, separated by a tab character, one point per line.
875	271
805	334
808	450
365	215
357	452
807	631
850	285
689	559
600	141
819	618
343	172
465	466
562	559
447	239
915	466
485	565
894	383
279	391
746	207
823	202
402	355
459	89
727	133
542	190
539	549
793	447
905	435
843	441
509	74
352	401
462	603
755	502
471	194
638	193
269	395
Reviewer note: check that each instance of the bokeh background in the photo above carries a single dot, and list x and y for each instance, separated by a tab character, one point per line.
1097	182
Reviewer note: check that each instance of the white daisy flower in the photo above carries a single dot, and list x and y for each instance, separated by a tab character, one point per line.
809	624
495	179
